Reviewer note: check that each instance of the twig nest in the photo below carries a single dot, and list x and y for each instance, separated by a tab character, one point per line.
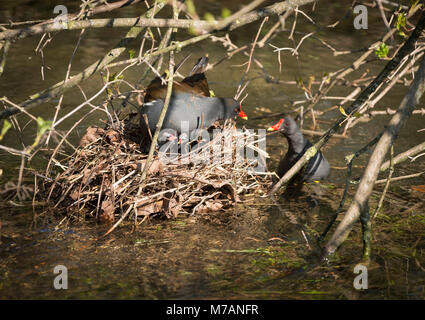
102	178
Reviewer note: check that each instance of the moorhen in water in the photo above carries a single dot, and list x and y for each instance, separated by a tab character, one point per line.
190	101
317	167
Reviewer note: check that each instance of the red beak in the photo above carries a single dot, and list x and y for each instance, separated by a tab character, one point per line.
276	126
242	115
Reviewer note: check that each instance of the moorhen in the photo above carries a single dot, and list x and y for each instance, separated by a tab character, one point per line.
190	101
317	167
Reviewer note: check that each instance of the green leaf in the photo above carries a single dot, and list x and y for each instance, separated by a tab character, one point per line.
192	31
151	34
190	7
209	17
167	73
357	115
131	52
34	96
6	126
225	13
341	109
300	82
42	127
401	21
402	34
382	51
114	77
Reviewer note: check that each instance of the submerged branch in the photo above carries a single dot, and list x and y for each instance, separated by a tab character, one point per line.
360	201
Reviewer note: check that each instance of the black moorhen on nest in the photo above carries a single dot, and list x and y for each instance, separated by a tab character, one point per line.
317	167
190	101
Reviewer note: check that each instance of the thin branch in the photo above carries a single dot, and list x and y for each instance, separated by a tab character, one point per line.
360	201
6	47
46	24
15	151
404	156
409	176
159	123
408	47
64	86
387	184
236	20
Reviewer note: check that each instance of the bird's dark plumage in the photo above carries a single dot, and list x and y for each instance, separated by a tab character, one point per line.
188	111
195	82
317	167
191	106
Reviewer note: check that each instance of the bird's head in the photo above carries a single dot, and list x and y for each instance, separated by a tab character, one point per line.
286	125
233	109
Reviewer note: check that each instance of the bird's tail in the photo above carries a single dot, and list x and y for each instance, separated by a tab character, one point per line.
200	66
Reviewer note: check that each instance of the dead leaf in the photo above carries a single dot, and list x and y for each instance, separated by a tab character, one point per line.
108	211
148	209
210	206
133	166
74	194
113	136
172	206
419	188
156	166
93	134
214	205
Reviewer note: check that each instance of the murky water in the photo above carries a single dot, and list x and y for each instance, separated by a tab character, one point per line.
250	251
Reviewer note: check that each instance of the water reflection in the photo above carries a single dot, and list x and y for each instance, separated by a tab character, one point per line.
251	251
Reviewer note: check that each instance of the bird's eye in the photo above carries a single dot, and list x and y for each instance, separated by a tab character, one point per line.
236	110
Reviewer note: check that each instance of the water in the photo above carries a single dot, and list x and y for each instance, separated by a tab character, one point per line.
249	251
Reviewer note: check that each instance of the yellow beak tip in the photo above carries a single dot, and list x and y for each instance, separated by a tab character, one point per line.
270	129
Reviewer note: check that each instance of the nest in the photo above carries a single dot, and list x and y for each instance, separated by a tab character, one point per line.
104	176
